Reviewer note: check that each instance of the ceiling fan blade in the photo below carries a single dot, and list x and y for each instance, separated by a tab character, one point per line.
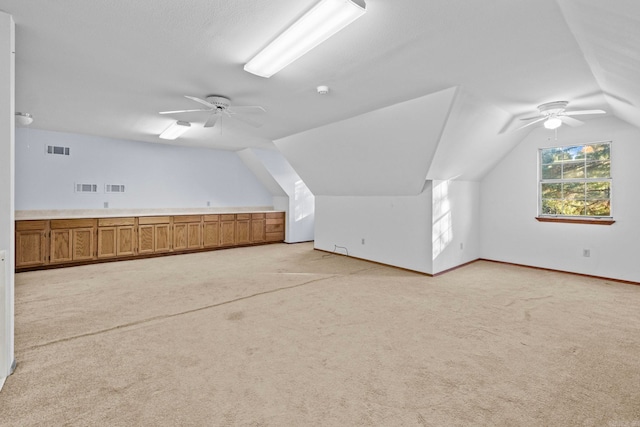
248	109
201	101
247	121
570	121
537	116
531	123
183	111
582	112
212	121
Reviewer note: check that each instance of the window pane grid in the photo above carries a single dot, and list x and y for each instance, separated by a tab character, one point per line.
576	180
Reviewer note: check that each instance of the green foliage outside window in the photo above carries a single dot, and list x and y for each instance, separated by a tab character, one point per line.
576	180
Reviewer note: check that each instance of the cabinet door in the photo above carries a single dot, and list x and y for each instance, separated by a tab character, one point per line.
180	237
194	235
211	234
163	237
61	245
82	244
227	233
125	242
258	230
107	242
30	248
242	232
146	239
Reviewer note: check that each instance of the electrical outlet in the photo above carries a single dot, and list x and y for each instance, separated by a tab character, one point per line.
208	203
363	240
461	246
106	205
586	253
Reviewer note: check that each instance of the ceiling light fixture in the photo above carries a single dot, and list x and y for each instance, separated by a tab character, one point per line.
324	20
175	130
24	119
552	123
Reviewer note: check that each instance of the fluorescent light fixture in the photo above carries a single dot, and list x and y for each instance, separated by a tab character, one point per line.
552	123
175	130
324	20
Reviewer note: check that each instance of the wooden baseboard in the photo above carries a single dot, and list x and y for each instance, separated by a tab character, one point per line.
628	282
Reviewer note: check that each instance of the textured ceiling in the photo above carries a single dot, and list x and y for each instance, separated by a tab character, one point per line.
108	67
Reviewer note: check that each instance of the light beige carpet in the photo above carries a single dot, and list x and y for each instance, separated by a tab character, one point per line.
283	335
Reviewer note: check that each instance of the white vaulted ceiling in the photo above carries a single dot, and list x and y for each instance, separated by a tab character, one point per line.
108	67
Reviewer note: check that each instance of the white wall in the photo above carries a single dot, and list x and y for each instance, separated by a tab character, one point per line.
456	223
155	175
7	117
301	203
509	231
396	229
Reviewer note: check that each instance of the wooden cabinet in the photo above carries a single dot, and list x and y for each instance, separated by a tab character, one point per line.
210	231
227	229
40	243
31	243
258	228
154	234
274	226
243	228
187	232
72	240
116	237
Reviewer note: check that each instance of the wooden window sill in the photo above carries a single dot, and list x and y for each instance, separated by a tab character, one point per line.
592	221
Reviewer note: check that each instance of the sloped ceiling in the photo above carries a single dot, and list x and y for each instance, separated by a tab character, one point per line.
383	152
609	35
108	67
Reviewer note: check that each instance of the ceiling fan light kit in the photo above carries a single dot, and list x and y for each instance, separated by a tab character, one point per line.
175	130
321	22
552	123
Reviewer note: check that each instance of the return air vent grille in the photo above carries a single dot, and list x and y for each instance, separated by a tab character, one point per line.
86	188
54	149
114	188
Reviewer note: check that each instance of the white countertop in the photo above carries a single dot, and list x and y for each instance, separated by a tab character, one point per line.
112	213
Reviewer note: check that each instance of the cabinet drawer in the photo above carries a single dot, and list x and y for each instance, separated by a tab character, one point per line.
57	224
274	227
186	218
243	216
31	225
112	222
228	217
275	215
144	220
211	218
257	215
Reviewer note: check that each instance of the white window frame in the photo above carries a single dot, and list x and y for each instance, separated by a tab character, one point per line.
542	181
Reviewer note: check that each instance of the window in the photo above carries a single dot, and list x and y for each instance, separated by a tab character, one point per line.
575	181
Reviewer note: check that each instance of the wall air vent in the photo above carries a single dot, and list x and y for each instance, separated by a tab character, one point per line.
54	149
114	188
86	188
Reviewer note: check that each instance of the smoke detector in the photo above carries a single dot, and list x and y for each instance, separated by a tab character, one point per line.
323	90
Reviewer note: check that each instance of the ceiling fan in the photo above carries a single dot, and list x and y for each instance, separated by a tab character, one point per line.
554	115
220	106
